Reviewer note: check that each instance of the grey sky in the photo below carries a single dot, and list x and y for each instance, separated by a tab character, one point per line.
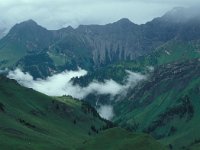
55	14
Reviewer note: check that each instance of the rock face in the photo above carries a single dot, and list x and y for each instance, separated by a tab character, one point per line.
113	42
91	46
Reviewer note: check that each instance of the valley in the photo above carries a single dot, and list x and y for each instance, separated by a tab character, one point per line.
113	87
31	120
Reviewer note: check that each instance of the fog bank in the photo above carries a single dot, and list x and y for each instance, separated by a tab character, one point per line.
61	84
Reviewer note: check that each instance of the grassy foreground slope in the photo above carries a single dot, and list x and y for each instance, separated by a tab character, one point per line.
120	139
34	121
30	120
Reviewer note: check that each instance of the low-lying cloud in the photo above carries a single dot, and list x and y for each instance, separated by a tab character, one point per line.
61	84
106	112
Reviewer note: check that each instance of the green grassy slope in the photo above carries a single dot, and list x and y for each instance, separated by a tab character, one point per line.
10	53
174	51
166	106
169	52
120	139
194	147
30	120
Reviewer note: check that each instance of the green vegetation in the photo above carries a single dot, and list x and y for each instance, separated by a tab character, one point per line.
166	106
174	51
120	139
58	59
10	53
170	52
31	120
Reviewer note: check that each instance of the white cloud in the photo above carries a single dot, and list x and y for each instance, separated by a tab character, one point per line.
60	84
134	78
106	112
54	14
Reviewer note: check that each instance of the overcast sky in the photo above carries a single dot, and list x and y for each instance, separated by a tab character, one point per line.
54	14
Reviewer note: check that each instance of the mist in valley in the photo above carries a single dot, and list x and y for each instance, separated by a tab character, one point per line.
61	84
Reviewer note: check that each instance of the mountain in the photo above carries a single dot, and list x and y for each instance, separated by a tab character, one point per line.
166	105
31	120
182	15
168	54
3	29
93	46
2	32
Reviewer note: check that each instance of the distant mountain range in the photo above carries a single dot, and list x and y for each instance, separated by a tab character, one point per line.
92	46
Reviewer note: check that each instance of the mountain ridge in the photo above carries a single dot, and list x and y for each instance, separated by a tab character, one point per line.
93	46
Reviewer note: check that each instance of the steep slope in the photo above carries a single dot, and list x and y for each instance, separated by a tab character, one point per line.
30	35
23	39
3	29
166	106
70	49
30	120
2	32
112	42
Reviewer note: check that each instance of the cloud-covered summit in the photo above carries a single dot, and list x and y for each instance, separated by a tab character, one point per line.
61	13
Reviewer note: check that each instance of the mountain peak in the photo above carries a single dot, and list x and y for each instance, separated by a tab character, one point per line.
29	22
30	31
124	21
176	10
26	26
181	14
